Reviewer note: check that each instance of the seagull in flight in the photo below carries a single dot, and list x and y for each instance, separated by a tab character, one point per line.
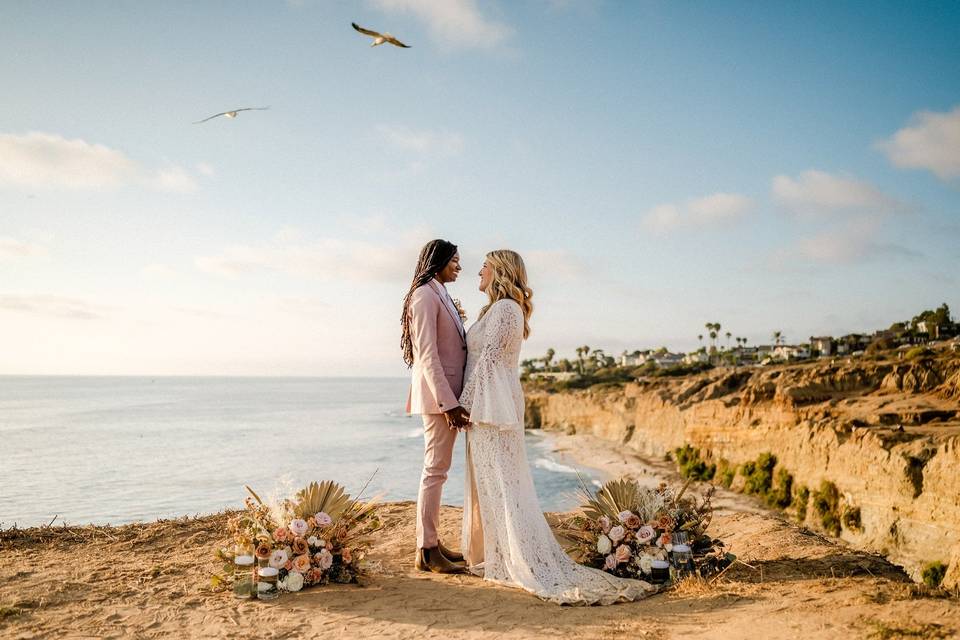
379	38
232	114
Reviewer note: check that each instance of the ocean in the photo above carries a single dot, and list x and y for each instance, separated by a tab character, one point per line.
114	450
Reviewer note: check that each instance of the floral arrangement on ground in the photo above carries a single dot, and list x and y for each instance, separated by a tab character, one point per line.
318	536
632	531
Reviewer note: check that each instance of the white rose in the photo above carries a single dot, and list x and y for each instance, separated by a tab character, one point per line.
646	563
299	527
278	558
294	581
604	545
313	541
616	534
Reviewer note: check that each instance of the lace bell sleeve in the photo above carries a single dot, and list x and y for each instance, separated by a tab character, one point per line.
492	392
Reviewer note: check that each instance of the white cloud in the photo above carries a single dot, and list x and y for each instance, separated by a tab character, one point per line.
454	23
206	169
819	193
715	209
856	242
324	258
440	143
12	249
158	271
38	160
50	305
931	141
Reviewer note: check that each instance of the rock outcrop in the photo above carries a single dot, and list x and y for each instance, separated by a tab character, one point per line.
886	433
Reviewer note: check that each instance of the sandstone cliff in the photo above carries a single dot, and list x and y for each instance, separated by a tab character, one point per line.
885	433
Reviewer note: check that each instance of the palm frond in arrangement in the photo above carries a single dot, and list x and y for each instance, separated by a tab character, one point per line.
326	496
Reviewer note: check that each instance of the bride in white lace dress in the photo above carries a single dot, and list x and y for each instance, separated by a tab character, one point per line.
505	535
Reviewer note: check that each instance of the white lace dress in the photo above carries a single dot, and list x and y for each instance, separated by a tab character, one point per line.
505	534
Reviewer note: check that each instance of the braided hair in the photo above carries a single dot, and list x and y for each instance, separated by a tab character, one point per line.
434	256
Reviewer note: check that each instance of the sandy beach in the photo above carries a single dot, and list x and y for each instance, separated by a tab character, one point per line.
152	580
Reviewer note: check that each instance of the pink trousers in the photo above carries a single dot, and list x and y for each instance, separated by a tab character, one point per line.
438	440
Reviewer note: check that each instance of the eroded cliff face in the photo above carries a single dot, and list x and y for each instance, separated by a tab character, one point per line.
887	434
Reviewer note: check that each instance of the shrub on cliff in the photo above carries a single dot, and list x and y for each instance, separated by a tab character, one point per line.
758	474
801	497
780	495
726	472
933	574
826	504
918	352
851	519
691	465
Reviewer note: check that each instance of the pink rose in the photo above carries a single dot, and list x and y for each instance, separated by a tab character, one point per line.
280	535
616	534
604	524
325	559
622	554
298	527
323	519
610	563
645	534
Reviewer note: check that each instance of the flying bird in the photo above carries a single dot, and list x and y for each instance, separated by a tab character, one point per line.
232	114
379	38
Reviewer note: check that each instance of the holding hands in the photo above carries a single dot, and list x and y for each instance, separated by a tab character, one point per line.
457	418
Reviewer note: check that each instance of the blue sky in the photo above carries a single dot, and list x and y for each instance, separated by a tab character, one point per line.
791	166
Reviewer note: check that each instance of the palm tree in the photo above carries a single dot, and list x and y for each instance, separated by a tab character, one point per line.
777	337
549	357
728	334
700	338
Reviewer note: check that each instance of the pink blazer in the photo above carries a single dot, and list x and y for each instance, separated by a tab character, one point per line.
439	352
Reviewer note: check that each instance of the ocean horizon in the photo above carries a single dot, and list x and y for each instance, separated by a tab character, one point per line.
114	449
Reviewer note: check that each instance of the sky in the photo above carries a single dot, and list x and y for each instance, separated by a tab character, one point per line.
659	165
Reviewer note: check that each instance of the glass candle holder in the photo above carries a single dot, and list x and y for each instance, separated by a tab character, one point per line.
267	583
659	571
682	559
680	537
243	576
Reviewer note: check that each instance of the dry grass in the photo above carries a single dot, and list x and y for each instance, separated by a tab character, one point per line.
928	631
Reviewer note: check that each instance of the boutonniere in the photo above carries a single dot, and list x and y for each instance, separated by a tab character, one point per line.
463	314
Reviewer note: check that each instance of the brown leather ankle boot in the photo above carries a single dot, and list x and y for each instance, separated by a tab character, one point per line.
452	556
433	560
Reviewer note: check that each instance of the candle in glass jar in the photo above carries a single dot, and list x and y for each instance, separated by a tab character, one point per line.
267	583
243	576
659	571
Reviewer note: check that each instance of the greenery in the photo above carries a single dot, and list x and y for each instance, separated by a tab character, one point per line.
781	494
826	504
890	631
933	574
939	316
918	352
9	612
801	497
692	466
726	472
851	519
758	474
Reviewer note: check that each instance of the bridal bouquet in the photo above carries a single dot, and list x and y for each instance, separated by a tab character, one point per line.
315	537
624	528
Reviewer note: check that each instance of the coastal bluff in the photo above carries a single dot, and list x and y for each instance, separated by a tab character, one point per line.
883	435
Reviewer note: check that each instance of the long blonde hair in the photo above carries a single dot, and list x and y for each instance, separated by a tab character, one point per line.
509	281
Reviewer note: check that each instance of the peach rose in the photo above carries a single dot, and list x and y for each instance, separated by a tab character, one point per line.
622	554
314	575
263	550
347	556
299	546
301	563
289	565
664	540
280	534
